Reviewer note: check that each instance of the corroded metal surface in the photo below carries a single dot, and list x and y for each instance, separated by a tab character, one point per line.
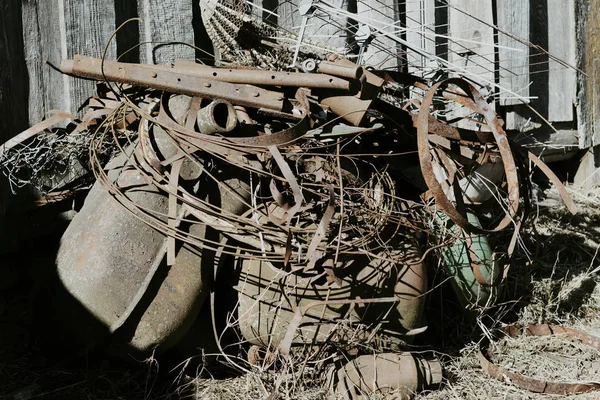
269	297
262	77
168	79
386	375
111	260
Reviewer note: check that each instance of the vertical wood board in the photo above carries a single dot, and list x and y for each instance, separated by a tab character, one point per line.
420	25
562	84
88	26
513	66
43	31
381	53
472	44
166	22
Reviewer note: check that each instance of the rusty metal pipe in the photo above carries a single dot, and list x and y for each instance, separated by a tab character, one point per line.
270	78
337	69
217	117
170	80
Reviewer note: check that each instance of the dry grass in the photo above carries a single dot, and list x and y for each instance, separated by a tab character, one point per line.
558	286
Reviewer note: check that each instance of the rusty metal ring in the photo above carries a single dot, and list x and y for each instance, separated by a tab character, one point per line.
477	103
532	384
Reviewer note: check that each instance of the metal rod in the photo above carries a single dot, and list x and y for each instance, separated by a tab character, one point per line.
262	77
170	80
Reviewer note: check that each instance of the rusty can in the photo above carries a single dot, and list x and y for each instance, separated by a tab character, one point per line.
269	297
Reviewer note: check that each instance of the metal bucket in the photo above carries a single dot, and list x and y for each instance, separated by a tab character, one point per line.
269	298
113	268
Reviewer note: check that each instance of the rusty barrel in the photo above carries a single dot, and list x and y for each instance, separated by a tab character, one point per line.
269	298
112	266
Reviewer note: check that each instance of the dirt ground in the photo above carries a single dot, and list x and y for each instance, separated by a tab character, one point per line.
554	280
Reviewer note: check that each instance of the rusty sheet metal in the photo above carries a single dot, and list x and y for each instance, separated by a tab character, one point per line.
111	260
263	77
226	146
107	252
350	108
167	79
538	385
452	132
479	105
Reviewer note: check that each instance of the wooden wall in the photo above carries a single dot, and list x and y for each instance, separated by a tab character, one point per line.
40	31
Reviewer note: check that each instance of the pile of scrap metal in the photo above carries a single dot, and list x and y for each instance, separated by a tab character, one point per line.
298	206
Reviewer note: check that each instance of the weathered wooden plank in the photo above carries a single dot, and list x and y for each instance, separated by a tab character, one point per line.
44	35
13	75
166	22
471	49
381	53
513	65
588	60
88	27
330	30
13	94
420	24
561	43
472	44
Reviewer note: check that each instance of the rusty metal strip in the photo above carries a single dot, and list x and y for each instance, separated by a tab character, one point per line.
562	191
165	78
190	119
451	132
479	105
321	229
263	77
237	146
174	183
532	384
286	344
292	181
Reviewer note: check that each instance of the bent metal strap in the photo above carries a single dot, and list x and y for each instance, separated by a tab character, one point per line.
474	101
